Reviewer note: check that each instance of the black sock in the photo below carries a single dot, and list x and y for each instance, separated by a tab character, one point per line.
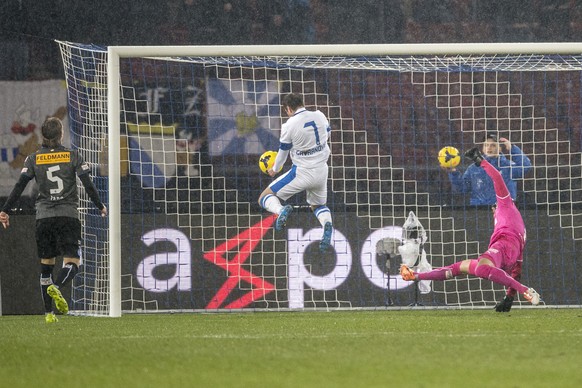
46	279
66	274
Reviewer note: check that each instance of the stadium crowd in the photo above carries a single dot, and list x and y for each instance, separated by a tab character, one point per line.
28	30
28	27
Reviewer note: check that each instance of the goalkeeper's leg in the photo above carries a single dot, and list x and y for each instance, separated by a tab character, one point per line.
497	275
486	270
448	272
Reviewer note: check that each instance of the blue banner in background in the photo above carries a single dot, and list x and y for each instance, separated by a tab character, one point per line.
244	117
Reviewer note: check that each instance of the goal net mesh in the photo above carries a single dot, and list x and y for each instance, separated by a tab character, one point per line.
192	128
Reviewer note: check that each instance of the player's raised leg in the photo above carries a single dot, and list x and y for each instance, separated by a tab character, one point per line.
271	203
472	267
499	276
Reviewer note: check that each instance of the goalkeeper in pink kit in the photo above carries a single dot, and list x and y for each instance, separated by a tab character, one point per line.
502	261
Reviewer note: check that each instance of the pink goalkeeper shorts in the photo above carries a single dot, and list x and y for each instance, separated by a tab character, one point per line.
504	253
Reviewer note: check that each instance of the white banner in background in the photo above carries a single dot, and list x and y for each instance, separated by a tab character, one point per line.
24	105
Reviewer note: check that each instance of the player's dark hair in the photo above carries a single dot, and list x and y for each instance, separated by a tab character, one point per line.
293	101
52	132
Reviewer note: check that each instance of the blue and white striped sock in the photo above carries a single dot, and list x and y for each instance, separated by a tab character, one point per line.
323	214
271	203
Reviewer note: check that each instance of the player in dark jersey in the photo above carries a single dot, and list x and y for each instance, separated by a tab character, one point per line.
502	261
58	229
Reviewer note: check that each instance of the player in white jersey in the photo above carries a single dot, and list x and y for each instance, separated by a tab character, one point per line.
304	137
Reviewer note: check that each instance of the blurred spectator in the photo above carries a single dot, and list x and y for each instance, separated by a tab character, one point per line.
554	20
282	22
370	22
28	27
14	22
514	22
232	22
195	22
390	23
215	22
433	11
476	182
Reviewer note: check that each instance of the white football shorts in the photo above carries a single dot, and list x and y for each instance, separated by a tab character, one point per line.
311	180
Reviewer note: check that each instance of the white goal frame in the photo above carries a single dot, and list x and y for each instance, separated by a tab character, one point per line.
113	97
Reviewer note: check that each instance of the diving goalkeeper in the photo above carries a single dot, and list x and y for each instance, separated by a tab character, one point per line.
502	261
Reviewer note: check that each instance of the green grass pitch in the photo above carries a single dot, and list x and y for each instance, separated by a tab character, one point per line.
396	348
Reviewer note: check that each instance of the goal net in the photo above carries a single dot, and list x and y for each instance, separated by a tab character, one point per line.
174	135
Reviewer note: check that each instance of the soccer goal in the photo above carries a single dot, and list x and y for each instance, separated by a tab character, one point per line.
174	135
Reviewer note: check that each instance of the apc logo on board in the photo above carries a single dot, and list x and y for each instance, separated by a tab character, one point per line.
239	248
244	243
236	273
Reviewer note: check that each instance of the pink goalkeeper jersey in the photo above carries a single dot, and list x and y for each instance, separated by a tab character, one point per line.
508	223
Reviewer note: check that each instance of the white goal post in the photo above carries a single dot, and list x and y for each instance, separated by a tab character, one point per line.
448	76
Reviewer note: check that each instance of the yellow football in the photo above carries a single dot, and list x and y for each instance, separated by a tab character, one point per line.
449	157
267	160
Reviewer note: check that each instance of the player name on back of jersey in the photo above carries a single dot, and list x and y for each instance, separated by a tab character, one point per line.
311	151
53	158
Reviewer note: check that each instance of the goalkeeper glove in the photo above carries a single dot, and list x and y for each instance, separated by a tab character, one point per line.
505	305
